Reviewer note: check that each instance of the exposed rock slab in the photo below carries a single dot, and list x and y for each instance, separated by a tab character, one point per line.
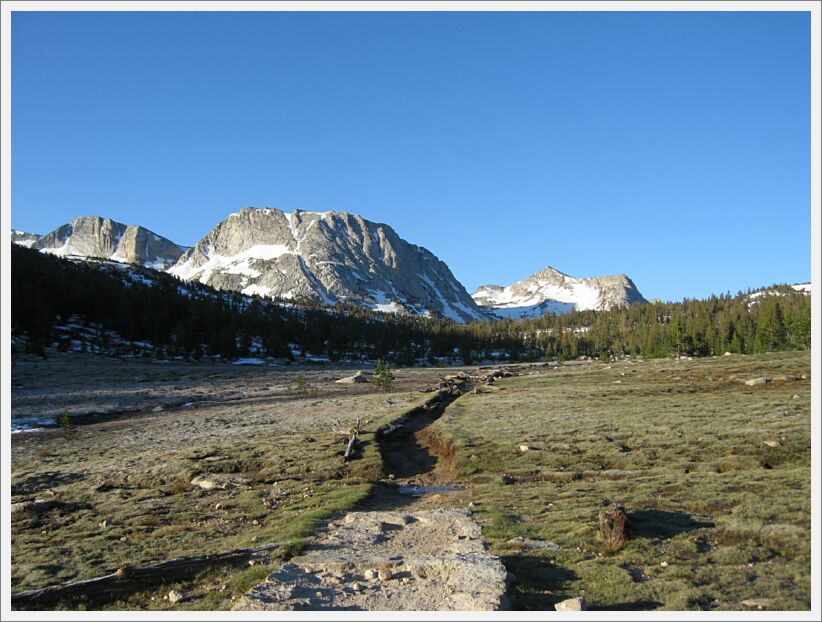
390	561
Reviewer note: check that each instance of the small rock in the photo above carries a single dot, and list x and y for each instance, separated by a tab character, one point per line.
524	448
385	575
370	574
174	596
157	409
356	587
255	522
218	506
758	603
204	482
123	539
729	354
664	564
771	443
252	562
254	539
391	476
105	523
755	382
796	397
572	604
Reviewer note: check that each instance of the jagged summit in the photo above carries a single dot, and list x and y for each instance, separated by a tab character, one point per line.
552	291
103	238
327	256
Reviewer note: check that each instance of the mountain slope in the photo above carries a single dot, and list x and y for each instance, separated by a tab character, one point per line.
551	291
24	238
96	237
327	256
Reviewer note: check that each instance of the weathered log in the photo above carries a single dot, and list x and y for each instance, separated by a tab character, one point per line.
613	525
350	447
354	433
129	579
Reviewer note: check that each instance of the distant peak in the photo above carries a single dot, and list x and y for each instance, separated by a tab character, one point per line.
548	271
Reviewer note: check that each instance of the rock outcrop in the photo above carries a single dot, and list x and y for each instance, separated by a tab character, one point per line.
330	257
93	237
551	291
432	560
24	238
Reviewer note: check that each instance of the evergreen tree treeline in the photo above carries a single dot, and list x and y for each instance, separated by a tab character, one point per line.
191	320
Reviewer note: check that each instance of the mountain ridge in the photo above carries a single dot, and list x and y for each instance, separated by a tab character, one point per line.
104	238
327	256
330	257
551	291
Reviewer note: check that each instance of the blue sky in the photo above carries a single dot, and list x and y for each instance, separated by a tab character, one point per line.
672	147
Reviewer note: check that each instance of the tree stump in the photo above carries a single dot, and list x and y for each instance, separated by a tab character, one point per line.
613	525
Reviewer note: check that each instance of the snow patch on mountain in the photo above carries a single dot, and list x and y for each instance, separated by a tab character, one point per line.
93	237
804	288
24	238
550	291
332	257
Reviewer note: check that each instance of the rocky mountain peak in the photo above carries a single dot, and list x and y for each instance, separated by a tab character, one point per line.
103	238
327	256
552	291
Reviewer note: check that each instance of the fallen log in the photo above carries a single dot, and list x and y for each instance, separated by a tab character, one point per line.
129	579
350	447
354	433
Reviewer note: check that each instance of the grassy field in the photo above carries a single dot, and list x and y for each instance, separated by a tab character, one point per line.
120	491
714	475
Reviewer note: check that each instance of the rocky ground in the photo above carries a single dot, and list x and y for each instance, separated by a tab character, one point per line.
434	560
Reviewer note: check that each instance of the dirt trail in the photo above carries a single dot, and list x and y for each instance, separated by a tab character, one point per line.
421	469
413	546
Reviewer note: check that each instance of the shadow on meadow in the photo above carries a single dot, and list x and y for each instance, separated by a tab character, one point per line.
661	524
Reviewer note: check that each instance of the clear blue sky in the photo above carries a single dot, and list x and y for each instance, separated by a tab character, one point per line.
673	147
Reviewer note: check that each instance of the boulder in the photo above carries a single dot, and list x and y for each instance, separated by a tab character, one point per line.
357	378
572	604
174	596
